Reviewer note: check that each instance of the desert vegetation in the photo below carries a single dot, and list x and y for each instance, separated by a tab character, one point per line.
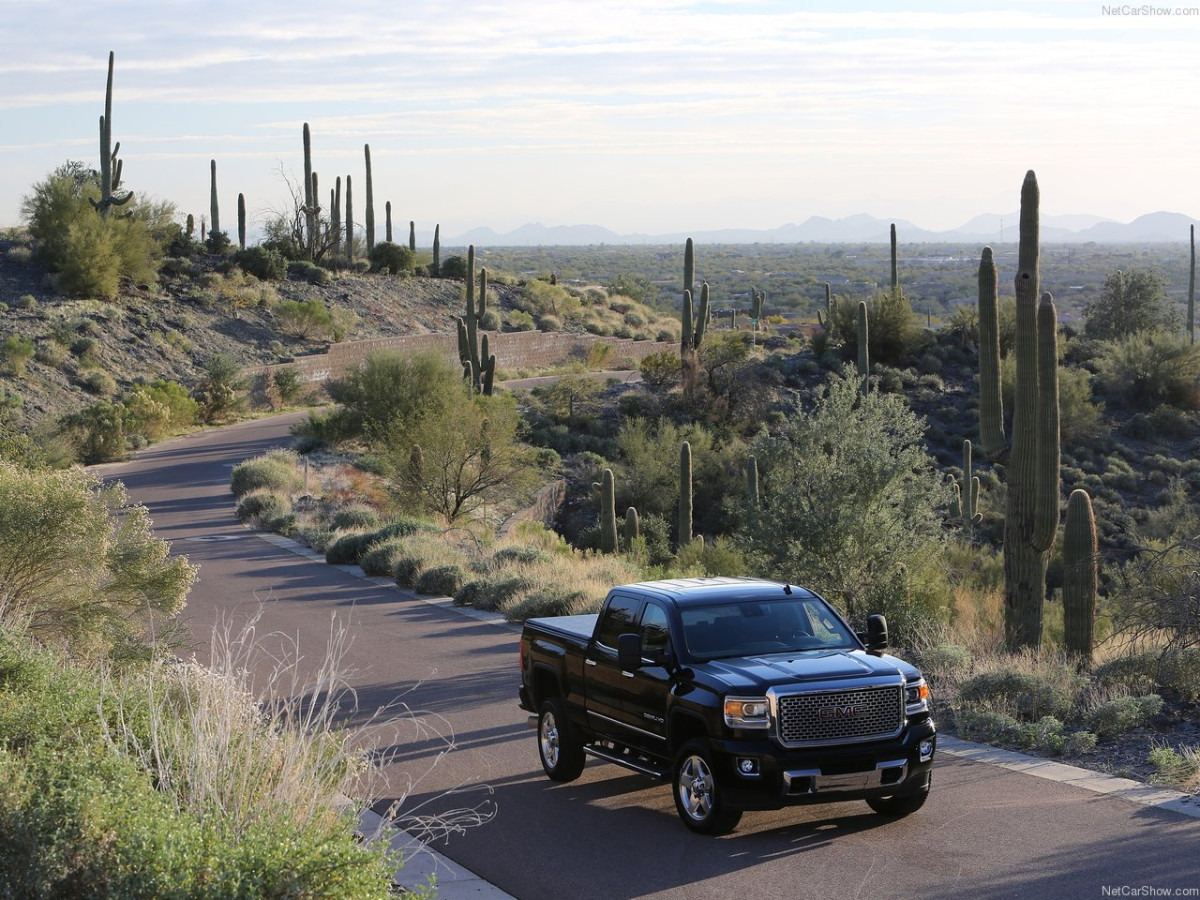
1008	474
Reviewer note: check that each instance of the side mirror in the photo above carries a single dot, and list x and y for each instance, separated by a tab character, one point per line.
877	636
629	652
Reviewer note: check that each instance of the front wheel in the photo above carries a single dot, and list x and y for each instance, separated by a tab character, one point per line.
562	756
898	807
698	798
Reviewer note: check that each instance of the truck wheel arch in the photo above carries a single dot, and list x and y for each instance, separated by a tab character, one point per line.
685	726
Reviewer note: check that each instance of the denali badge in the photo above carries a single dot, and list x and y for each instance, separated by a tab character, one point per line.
837	712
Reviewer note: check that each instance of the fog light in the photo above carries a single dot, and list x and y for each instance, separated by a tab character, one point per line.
747	766
926	751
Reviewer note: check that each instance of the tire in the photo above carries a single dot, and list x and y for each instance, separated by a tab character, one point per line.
561	754
898	807
698	797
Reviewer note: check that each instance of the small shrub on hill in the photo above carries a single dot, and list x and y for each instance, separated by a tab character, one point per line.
276	471
262	262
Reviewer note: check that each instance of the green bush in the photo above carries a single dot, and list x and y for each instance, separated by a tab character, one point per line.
394	258
444	581
407	568
262	262
276	471
380	559
15	352
50	353
288	384
1149	368
98	382
220	392
1030	695
303	319
348	549
1114	717
361	517
263	506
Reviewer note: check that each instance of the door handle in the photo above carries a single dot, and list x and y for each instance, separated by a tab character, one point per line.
589	662
627	674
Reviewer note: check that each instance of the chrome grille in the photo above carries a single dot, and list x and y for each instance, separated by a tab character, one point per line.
824	717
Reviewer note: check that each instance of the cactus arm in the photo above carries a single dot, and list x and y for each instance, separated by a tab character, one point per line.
991	403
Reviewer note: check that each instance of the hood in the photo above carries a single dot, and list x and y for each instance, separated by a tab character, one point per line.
755	674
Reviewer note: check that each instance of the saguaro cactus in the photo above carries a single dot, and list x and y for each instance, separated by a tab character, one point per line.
685	494
1192	287
752	480
437	250
214	210
241	221
412	236
349	219
991	403
387	220
110	166
478	365
335	216
608	512
1081	576
310	198
895	271
370	214
1031	519
965	505
864	360
633	527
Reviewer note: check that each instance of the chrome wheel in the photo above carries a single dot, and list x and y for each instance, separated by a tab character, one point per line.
695	787
548	739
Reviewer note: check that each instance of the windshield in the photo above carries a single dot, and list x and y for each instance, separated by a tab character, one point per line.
743	628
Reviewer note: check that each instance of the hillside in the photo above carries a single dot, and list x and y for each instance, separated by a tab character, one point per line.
170	330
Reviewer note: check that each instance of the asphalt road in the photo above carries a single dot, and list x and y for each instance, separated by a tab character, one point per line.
459	747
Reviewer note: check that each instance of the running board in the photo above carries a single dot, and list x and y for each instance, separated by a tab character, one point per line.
637	763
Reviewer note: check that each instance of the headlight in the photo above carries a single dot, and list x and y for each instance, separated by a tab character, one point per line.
916	697
747	712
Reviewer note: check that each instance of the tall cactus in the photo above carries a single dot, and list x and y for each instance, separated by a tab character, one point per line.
241	221
412	236
214	209
685	494
437	250
110	166
864	360
1081	576
349	219
608	512
1191	315
633	528
965	505
752	480
1031	519
991	403
335	215
895	271
387	220
310	199
479	366
370	213
689	267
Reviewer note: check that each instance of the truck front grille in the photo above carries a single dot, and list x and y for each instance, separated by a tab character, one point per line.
825	717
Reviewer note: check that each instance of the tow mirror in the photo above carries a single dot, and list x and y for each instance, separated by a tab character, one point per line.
877	636
629	652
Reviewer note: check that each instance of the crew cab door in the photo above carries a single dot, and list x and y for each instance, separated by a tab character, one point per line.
646	695
606	686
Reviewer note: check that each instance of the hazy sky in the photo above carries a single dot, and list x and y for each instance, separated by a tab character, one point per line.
639	115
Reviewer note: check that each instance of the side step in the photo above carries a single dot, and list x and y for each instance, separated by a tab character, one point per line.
622	756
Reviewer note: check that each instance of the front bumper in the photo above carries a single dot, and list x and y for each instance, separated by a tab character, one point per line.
758	774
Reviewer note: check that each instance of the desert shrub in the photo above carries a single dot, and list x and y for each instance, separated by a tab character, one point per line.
157	408
303	319
660	369
50	353
98	382
348	548
711	558
1122	714
262	506
549	322
220	392
310	272
516	320
1030	694
407	567
380	559
946	661
522	555
288	384
15	352
394	258
454	267
98	432
492	592
443	581
348	517
263	263
550	600
1148	368
276	471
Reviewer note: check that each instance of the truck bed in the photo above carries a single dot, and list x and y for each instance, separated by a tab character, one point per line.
577	629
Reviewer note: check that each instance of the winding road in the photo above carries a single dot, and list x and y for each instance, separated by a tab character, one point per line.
445	680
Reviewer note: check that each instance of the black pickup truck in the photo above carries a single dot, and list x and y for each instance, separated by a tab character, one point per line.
743	693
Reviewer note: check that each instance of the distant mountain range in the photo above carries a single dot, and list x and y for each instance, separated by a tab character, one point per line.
1153	228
